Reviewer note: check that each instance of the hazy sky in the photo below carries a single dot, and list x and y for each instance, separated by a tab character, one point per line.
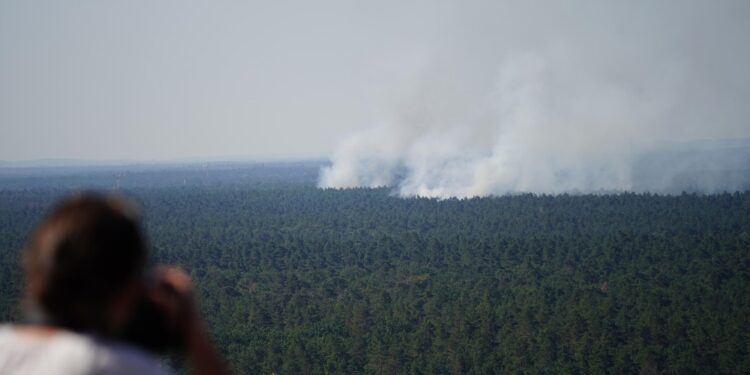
172	79
180	79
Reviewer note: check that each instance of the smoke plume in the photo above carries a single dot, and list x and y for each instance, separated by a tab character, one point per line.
574	97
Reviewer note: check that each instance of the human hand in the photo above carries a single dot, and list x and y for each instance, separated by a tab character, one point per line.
173	291
173	294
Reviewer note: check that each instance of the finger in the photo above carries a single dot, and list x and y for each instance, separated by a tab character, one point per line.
175	277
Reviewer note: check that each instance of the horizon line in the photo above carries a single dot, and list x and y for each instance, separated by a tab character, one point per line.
83	162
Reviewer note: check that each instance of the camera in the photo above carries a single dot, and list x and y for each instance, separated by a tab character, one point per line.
150	327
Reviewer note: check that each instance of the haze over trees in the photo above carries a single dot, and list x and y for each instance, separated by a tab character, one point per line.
295	279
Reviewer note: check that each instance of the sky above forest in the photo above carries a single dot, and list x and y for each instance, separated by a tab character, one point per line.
433	80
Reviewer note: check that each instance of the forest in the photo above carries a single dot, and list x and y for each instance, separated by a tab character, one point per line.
299	280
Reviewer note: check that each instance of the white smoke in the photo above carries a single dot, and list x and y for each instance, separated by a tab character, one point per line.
573	106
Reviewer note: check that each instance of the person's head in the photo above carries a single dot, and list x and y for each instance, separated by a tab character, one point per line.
83	263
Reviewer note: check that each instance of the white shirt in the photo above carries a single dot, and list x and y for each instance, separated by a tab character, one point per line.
68	353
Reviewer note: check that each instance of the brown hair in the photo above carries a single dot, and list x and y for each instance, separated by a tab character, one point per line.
80	257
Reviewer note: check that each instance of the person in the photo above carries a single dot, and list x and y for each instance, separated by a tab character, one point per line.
86	276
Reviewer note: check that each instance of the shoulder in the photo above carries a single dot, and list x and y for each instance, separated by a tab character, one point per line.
71	353
116	358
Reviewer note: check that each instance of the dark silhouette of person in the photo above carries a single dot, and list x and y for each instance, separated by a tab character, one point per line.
86	278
